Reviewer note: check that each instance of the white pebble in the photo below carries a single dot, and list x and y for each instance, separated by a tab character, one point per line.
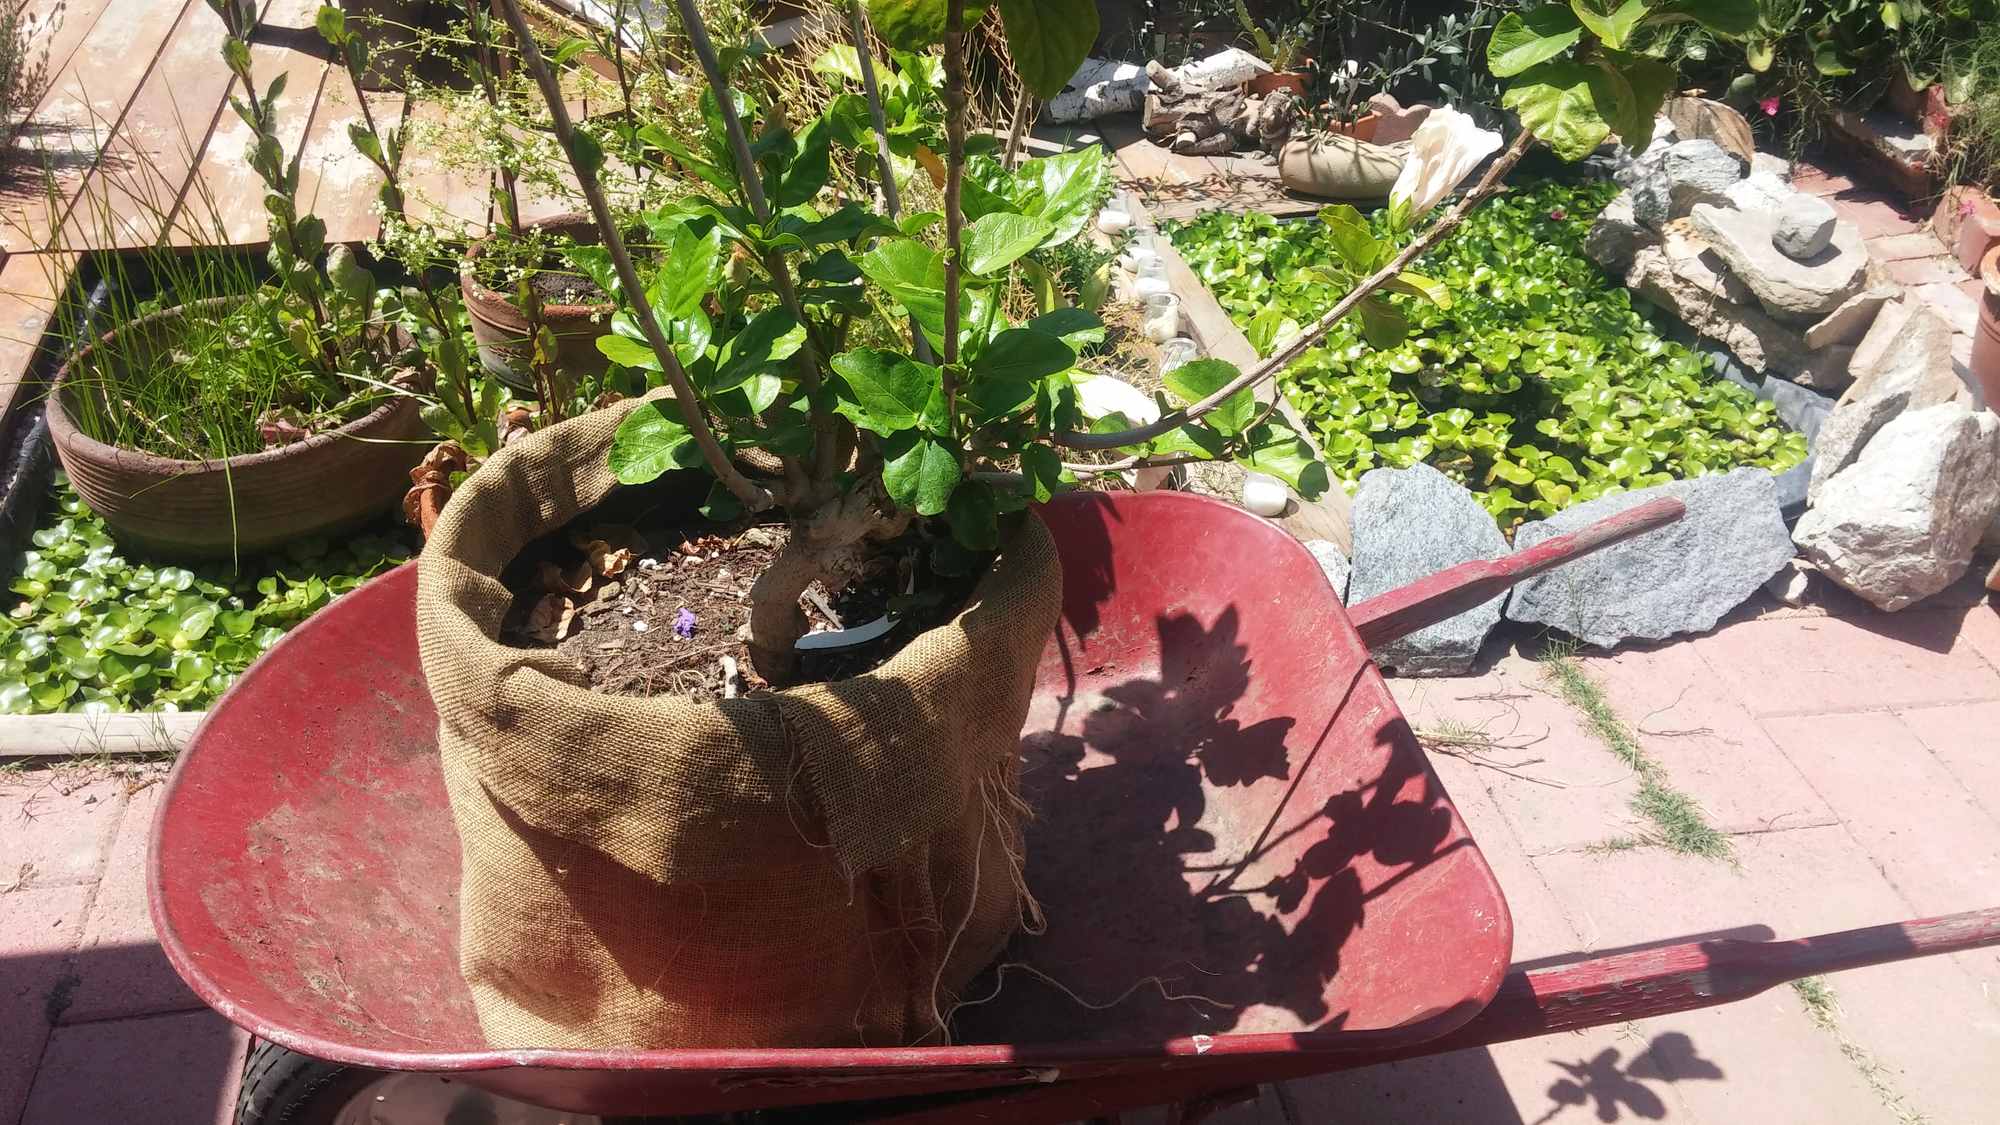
1264	495
638	626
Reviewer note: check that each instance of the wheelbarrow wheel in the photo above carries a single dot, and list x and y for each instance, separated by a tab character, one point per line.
283	1087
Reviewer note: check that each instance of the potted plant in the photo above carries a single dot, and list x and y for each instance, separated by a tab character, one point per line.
233	423
837	390
1280	45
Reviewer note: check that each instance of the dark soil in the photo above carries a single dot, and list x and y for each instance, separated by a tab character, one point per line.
552	280
609	596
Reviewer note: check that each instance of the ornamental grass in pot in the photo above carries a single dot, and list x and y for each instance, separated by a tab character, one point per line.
831	397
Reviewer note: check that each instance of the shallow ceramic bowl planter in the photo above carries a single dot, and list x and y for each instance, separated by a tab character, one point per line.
502	331
330	482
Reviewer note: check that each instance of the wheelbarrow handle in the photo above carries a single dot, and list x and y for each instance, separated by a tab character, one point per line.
1452	591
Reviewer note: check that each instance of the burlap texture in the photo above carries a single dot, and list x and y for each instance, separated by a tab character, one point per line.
825	865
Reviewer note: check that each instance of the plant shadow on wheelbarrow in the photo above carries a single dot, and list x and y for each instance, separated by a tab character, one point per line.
1237	841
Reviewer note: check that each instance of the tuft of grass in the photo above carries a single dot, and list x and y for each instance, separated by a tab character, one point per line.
1677	819
1824	1011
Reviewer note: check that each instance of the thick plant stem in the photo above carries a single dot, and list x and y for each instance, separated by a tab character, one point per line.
857	21
749	494
826	427
829	547
954	178
1300	344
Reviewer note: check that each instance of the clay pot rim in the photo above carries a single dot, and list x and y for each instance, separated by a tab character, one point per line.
67	435
1989	270
476	289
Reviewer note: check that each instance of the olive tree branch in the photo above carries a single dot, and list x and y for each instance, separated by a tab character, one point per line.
1284	357
892	202
750	495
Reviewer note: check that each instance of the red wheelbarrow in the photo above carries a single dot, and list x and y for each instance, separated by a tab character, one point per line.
1249	870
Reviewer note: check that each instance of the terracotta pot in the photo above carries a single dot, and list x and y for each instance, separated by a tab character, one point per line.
1291	81
1361	128
330	482
502	331
1986	340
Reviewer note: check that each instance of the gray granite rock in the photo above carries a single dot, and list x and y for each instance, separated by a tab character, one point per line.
1828	369
1616	236
1800	292
1901	522
1904	363
1331	563
1805	228
1760	191
1755	338
1410	524
1792	485
1770	163
1678	579
1669	185
1849	323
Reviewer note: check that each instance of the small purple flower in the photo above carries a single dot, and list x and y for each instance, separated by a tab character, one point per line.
684	623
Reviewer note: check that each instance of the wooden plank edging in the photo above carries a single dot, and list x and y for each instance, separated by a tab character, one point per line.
123	732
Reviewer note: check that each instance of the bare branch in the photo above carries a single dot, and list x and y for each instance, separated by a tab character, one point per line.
750	495
954	177
857	21
1300	344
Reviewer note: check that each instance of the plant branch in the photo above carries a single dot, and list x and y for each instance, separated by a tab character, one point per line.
1284	357
826	426
954	177
857	20
750	495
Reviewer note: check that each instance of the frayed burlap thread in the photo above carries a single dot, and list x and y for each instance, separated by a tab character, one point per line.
825	865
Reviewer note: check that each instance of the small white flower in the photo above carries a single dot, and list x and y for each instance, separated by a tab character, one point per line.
1445	149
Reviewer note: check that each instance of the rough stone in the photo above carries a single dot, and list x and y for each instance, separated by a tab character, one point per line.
1677	579
1805	228
1904	363
1616	236
1760	191
1801	408
1410	524
1792	584
1803	292
1333	563
1848	323
1772	164
1901	522
1683	175
1828	369
1760	342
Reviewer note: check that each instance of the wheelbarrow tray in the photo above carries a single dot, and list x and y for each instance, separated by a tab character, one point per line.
1240	849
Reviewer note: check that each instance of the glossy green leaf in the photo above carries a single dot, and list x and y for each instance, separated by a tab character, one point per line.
973	513
1044	471
887	391
1564	105
771	337
1048	40
1022	355
1073	326
1612	21
910	25
648	442
1520	42
1064	190
994	242
919	472
690	269
912	274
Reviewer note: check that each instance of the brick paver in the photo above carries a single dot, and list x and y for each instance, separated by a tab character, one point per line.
166	1069
128	975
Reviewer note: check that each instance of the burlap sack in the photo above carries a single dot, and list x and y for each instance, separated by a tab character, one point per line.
826	865
1339	167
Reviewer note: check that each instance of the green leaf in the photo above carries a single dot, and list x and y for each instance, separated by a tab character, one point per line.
627	352
649	443
888	391
807	171
919	222
1043	469
919	472
1048	40
1073	326
1382	323
1733	18
690	269
910	25
1828	60
1348	232
771	337
1520	42
973	514
585	153
1196	380
1417	285
569	49
912	274
1639	86
1275	449
1022	355
1194	437
994	242
1063	190
1612	21
331	23
1563	104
